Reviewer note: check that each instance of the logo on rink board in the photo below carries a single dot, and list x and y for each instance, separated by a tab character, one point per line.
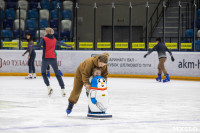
21	63
189	64
126	62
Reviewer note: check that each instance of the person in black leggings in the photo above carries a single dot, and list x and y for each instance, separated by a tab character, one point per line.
31	56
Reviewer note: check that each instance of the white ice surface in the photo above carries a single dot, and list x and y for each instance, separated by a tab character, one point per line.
137	106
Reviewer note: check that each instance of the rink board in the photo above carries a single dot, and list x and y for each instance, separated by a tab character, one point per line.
187	64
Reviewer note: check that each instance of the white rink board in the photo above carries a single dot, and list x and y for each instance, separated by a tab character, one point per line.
121	62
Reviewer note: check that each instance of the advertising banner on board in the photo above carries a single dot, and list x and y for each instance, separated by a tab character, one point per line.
120	62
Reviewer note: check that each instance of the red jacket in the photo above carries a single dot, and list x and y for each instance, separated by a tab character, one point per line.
50	45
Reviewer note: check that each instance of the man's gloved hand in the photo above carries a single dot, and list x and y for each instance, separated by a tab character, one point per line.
172	58
145	55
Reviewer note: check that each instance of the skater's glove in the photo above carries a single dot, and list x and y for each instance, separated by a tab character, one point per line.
145	55
94	101
172	58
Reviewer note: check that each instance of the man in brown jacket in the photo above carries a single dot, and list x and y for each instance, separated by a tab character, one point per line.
83	73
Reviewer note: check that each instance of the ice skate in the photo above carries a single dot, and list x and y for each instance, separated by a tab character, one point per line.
69	108
29	76
61	74
63	92
159	78
34	76
50	90
167	79
48	74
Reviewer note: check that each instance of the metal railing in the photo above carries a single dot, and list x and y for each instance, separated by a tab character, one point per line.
156	16
38	26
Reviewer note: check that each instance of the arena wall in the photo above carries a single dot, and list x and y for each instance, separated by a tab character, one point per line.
121	63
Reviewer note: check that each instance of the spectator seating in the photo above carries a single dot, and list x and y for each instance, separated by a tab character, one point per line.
10	14
23	4
2	5
23	14
43	23
6	35
7	24
16	24
67	5
31	24
54	24
44	14
16	34
32	14
42	33
67	14
45	4
66	25
189	33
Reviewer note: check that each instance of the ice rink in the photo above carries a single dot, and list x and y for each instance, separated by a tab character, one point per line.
137	106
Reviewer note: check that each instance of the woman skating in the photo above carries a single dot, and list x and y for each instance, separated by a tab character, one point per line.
31	57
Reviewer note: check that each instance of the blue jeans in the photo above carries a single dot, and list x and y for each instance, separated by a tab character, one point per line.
53	63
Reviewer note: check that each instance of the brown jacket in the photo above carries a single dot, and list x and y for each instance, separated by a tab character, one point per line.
83	73
86	67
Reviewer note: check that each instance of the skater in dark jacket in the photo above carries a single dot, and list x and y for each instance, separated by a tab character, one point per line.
161	50
31	56
49	58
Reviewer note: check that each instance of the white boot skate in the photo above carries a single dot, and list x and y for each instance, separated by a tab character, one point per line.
34	76
50	90
29	76
63	92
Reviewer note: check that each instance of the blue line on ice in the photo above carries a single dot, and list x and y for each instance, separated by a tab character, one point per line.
99	124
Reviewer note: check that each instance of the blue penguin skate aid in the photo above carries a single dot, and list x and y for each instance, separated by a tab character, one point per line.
98	99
